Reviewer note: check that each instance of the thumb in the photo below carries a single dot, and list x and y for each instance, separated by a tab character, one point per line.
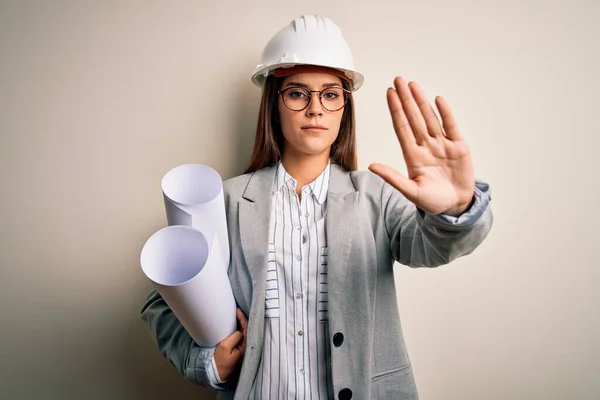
232	341
404	185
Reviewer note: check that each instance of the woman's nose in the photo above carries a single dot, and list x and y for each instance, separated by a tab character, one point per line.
314	107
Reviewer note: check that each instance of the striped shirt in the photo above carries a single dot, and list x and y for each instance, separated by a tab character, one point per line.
295	361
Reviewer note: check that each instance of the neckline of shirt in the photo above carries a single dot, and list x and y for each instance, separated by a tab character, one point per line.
317	187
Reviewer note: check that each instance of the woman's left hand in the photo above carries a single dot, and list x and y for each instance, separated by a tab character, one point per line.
440	173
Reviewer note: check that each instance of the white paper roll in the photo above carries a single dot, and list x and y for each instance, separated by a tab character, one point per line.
188	273
193	195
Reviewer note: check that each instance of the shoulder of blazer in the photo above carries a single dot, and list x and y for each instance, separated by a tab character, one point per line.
233	187
367	183
251	186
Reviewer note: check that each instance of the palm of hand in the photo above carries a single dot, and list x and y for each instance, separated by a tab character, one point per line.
440	173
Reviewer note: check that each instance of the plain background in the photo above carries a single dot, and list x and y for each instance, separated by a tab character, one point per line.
98	100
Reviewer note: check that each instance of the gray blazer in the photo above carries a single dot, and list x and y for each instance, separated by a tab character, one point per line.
369	226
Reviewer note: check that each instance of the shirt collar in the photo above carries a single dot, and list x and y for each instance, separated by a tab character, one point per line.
318	187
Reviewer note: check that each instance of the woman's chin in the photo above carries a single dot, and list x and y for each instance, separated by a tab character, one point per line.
315	147
315	151
310	147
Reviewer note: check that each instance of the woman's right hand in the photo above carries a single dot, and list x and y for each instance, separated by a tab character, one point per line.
229	353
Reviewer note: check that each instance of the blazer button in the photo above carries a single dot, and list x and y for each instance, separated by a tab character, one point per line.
338	339
345	394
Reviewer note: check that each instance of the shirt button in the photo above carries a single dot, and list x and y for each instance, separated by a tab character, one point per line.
298	295
302	371
307	215
298	258
300	333
303	238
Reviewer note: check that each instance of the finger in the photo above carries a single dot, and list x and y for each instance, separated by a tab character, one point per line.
407	187
232	341
399	120
244	324
242	318
411	109
431	120
450	125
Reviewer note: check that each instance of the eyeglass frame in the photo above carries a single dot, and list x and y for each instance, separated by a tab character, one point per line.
346	91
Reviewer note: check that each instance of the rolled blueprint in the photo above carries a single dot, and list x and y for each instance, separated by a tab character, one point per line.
188	272
193	195
188	260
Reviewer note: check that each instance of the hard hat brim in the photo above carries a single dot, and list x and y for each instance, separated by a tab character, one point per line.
263	71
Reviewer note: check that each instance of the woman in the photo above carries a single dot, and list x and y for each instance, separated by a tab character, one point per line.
313	241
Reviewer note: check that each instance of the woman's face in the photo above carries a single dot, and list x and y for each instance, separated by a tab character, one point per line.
313	130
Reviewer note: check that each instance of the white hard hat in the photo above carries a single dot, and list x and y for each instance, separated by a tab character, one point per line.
308	40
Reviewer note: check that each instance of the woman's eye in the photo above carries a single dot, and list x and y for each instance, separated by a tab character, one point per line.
296	94
331	95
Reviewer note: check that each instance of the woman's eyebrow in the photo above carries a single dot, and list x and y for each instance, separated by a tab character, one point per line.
304	85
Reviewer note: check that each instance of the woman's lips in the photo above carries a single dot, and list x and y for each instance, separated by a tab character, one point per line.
314	128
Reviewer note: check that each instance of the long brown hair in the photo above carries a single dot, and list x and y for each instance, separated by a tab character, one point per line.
268	143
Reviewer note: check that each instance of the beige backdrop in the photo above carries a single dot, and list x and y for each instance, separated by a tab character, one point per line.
99	101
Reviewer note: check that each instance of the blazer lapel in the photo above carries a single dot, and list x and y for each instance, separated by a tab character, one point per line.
342	201
254	217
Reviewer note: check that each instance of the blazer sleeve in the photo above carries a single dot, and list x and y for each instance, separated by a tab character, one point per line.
420	239
195	363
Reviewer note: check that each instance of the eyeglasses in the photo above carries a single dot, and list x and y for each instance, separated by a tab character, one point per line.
298	98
